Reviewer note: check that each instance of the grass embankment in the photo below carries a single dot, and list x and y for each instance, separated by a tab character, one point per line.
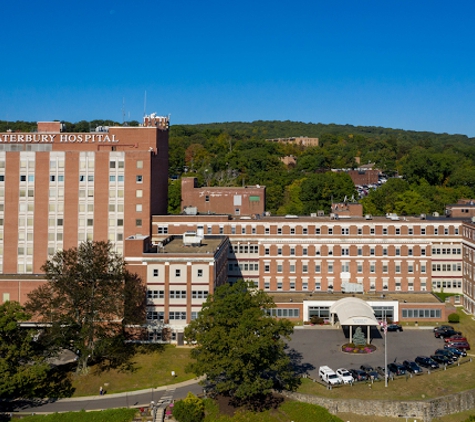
148	370
113	415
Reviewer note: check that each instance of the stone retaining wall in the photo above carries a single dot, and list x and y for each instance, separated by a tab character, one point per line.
421	409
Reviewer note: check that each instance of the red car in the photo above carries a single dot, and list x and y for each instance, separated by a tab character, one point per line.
455	338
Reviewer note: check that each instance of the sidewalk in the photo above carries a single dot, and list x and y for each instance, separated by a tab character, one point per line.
135	392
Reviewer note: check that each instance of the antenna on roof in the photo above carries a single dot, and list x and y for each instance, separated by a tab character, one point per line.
123	110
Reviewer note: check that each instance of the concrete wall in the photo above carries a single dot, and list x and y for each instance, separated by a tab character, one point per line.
420	409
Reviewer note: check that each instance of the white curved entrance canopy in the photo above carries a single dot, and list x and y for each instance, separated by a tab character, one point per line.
353	311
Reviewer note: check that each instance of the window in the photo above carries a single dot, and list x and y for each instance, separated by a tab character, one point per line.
112	164
360	230
22	178
243	230
162	230
372	268
199	294
292	268
345	230
305	268
305	251
371	252
410	231
139	178
398	230
292	230
317	230
200	273
139	164
279	268
305	230
279	251
371	231
155	294
138	222
267	230
385	268
138	207
138	193
409	251
155	272
330	267
410	268
359	268
385	251
292	251
177	294
385	230
279	230
318	268
267	268
345	251
267	251
423	230
330	230
177	315
177	273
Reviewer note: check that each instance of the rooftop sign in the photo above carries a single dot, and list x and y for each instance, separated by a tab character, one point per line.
57	137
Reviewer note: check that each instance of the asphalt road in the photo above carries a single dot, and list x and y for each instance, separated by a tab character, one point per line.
110	401
315	346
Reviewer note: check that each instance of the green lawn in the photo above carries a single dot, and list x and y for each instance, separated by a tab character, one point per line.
113	415
149	370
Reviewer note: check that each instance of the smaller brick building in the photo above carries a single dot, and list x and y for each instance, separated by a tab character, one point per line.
222	200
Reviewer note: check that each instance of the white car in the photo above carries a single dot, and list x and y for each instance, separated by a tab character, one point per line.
344	375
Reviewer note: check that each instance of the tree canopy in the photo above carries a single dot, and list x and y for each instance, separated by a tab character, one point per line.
87	301
239	347
24	371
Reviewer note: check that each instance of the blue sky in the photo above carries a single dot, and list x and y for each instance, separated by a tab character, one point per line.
406	64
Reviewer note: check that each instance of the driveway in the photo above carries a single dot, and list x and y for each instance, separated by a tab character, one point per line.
313	347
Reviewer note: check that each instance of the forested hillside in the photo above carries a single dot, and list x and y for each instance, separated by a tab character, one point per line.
435	169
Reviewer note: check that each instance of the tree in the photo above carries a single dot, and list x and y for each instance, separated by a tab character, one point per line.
190	409
88	299
23	367
239	347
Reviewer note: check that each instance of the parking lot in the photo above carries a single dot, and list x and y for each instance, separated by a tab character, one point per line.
312	347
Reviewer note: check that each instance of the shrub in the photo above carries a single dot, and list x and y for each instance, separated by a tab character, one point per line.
317	320
191	409
454	318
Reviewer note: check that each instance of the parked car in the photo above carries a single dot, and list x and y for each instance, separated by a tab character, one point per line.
366	368
396	368
464	345
426	362
442	360
392	327
358	375
344	375
446	333
412	367
455	338
381	371
443	328
447	354
373	375
454	350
